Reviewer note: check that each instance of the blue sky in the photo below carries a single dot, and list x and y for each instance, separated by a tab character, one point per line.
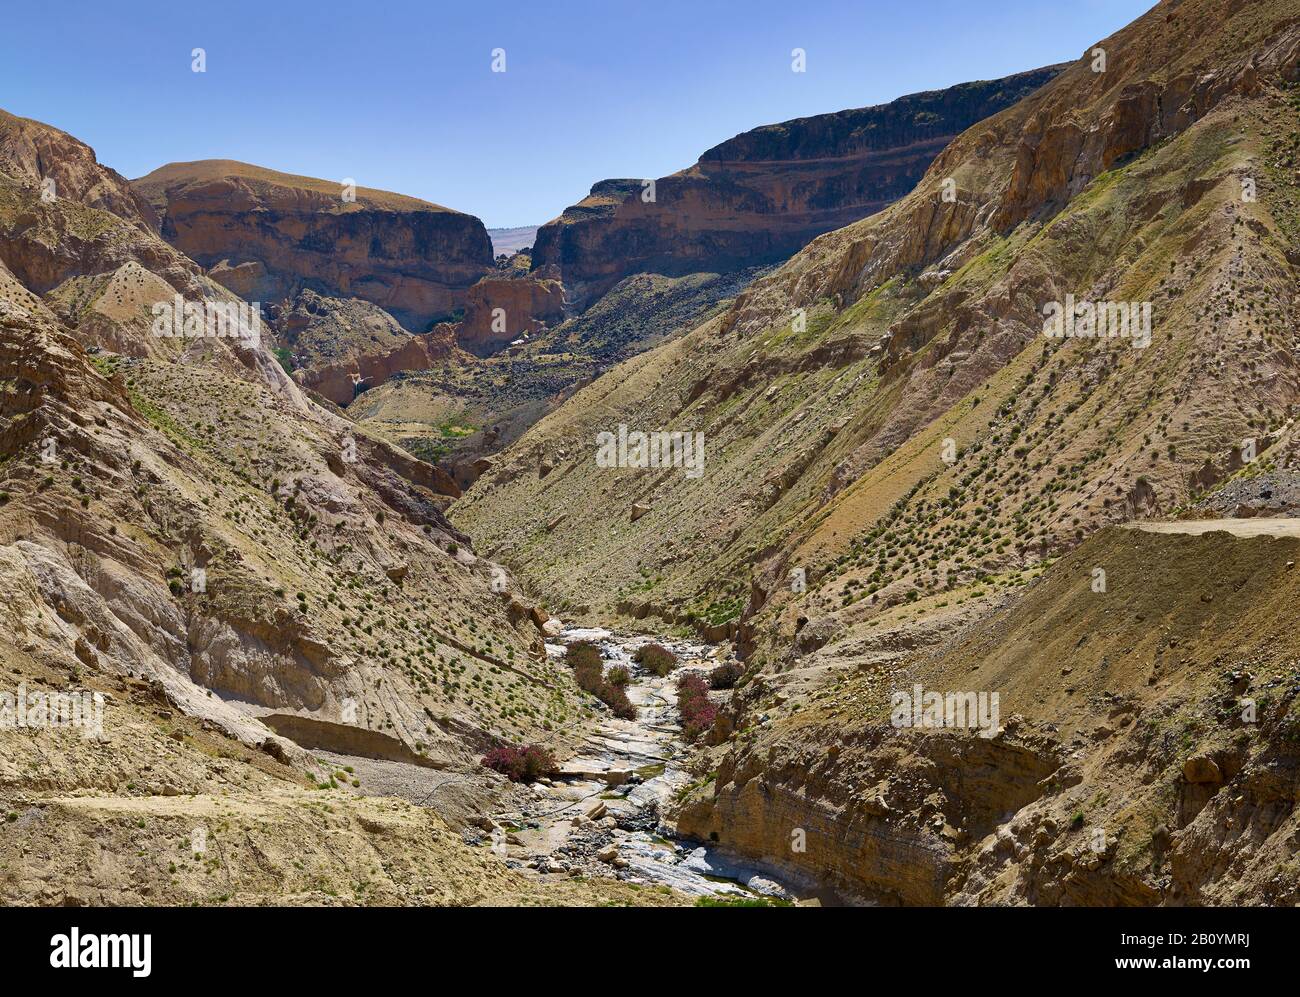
401	95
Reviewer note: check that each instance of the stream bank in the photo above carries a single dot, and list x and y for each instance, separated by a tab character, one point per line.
605	812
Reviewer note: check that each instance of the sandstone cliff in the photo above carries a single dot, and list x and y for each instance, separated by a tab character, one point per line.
761	196
341	381
267	235
500	310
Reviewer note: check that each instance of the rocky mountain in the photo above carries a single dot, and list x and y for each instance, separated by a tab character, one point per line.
764	194
749	201
461	410
949	561
521	307
267	235
270	602
68	167
905	477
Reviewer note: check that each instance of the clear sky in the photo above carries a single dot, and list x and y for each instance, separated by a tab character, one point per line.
401	96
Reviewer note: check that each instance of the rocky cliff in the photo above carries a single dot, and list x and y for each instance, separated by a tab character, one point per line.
266	235
761	196
501	310
184	532
342	380
1144	751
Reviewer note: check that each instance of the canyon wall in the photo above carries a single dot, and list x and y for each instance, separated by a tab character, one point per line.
266	235
763	195
500	310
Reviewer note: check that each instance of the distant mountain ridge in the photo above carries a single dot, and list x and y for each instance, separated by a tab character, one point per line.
507	241
761	196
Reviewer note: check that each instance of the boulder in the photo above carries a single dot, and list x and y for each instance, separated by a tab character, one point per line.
1202	769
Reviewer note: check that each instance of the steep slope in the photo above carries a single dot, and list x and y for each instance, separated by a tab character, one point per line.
902	472
74	228
236	568
316	330
34	149
1145	749
828	391
126	475
267	235
762	195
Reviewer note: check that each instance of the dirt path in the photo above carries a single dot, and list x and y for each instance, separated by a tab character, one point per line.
1260	527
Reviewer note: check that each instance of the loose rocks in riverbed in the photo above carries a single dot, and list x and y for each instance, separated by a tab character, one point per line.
645	819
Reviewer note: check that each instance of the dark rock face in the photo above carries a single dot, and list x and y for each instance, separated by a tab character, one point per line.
761	196
267	235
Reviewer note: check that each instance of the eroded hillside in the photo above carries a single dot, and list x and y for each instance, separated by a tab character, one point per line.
906	481
259	590
827	392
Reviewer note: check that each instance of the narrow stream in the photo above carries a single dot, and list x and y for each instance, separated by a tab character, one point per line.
601	816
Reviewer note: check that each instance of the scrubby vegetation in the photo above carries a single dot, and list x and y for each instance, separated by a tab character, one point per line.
521	763
693	704
589	672
619	676
655	658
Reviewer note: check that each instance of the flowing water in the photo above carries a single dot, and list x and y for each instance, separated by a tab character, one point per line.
602	815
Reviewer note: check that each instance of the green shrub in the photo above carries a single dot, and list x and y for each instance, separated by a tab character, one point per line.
589	672
619	676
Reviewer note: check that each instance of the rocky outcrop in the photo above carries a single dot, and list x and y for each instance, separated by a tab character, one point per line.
1070	795
884	822
33	149
326	735
267	235
317	330
763	195
341	382
500	310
